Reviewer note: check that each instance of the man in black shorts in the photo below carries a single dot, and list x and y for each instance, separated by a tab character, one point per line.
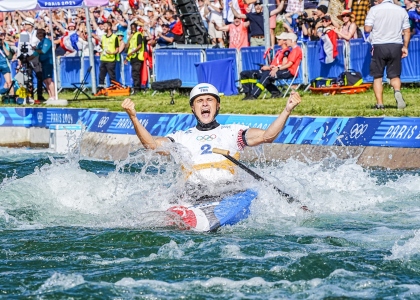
386	22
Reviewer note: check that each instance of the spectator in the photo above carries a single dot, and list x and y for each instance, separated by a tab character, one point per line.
360	9
285	71
386	22
166	38
109	55
4	64
328	38
349	29
202	8
121	47
214	10
414	16
44	51
175	27
29	25
250	78
256	22
238	33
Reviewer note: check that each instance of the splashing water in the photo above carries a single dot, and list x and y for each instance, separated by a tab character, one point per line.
72	228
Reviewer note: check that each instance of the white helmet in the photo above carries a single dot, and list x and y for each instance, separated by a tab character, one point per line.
204	89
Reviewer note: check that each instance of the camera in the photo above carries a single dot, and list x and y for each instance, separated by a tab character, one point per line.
303	18
24	49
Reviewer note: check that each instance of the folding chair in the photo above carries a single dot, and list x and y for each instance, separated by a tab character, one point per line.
289	82
80	86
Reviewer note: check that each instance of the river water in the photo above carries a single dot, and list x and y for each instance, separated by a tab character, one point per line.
81	229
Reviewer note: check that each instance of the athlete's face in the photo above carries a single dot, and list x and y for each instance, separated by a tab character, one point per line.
205	108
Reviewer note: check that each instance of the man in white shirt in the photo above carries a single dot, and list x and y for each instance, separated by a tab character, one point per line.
386	23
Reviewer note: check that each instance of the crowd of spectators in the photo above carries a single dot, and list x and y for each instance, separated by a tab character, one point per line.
234	24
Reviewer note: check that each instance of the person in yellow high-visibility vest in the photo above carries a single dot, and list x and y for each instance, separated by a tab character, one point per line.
109	55
135	55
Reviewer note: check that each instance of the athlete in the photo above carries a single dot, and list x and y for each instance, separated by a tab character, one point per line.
209	134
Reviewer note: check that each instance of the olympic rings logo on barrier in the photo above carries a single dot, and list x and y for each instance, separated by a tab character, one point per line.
206	137
357	130
103	121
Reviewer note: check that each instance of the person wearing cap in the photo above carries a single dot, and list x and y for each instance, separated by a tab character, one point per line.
250	78
389	29
197	142
166	37
135	55
4	63
109	55
238	32
349	29
29	25
256	21
120	36
328	38
284	71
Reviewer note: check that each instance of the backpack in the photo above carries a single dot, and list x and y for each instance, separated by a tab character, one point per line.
350	78
323	82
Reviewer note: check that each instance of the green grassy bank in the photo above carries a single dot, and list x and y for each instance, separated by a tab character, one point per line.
312	105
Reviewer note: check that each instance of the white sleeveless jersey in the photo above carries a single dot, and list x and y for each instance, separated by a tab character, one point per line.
207	165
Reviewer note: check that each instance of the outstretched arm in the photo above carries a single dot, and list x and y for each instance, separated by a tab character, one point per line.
144	136
255	136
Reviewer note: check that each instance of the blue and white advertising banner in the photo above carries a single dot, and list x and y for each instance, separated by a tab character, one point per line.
59	3
327	131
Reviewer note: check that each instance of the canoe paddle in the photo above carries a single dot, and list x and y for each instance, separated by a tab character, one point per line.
226	154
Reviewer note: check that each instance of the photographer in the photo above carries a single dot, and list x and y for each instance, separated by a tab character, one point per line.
44	51
4	63
25	50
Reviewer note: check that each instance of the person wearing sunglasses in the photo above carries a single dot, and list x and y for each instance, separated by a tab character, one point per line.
349	29
328	39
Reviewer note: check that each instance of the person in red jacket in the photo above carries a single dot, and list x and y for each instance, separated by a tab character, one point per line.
284	71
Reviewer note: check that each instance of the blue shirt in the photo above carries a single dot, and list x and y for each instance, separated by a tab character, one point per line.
45	46
123	29
3	58
414	17
162	42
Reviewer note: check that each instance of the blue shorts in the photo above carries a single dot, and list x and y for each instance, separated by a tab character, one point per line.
4	68
47	71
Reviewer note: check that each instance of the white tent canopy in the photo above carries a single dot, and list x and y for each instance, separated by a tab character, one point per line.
13	5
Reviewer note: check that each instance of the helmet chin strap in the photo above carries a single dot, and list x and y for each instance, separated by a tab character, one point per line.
209	126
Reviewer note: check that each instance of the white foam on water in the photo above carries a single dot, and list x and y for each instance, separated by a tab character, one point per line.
406	247
61	193
60	282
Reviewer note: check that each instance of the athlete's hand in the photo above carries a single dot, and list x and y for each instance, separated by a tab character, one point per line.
129	107
293	101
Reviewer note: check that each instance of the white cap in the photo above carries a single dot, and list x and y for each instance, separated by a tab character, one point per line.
292	36
282	36
204	89
29	21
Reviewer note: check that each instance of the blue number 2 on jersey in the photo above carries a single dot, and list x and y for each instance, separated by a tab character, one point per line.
206	149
